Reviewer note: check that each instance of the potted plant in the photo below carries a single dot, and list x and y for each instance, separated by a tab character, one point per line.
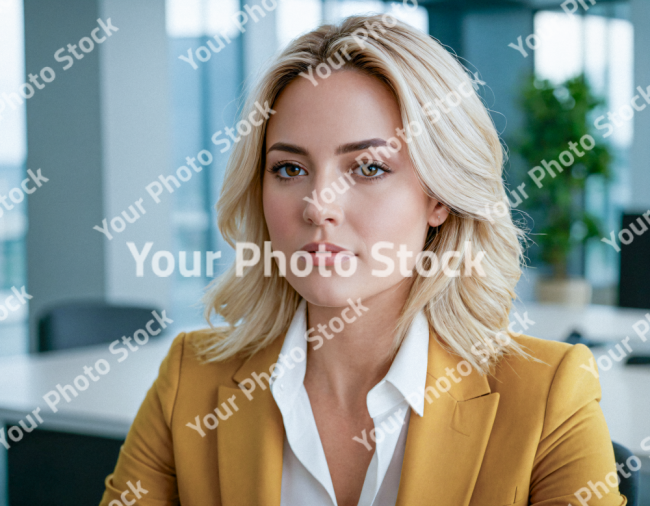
554	117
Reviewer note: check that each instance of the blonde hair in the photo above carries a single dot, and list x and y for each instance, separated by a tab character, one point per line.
458	158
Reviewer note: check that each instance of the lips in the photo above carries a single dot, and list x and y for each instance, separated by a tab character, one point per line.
314	247
318	252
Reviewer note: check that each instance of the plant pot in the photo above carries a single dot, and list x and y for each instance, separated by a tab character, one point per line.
572	292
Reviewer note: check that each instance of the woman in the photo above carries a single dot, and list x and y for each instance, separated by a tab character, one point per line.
388	374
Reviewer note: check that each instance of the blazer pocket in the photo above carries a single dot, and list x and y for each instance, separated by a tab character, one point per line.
520	502
482	500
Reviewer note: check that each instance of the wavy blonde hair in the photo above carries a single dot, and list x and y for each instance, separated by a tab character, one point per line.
458	159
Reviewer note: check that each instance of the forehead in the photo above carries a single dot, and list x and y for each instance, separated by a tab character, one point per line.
346	106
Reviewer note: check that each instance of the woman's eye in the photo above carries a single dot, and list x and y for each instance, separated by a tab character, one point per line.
370	170
290	171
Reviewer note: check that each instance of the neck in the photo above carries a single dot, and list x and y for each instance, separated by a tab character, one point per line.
354	360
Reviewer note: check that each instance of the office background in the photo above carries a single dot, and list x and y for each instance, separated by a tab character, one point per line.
131	109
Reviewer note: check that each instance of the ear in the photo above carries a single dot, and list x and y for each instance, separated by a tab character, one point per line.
438	213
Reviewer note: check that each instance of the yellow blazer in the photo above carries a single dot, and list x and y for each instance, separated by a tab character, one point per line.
532	433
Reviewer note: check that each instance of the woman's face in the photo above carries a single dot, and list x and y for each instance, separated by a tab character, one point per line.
311	143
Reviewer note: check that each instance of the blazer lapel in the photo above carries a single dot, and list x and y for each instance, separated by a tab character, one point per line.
250	445
445	447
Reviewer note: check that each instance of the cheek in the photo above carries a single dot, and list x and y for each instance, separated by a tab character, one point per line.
398	216
279	213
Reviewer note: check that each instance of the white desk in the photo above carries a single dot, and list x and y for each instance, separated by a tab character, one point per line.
597	323
108	406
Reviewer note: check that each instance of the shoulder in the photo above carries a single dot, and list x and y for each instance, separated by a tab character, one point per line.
184	375
557	380
547	363
184	359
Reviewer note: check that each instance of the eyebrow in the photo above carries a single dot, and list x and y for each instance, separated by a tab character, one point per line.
342	149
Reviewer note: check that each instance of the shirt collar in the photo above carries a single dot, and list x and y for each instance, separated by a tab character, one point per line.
289	373
408	372
405	378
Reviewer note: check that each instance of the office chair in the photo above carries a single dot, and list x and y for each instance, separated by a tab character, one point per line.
49	467
629	486
575	337
76	324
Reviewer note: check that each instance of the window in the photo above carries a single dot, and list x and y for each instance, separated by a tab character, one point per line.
203	100
407	12
13	152
600	44
296	17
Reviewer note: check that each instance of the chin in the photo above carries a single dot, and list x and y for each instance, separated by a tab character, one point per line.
328	292
336	290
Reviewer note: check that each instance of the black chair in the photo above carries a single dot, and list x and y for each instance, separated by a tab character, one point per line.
76	324
49	467
575	337
629	486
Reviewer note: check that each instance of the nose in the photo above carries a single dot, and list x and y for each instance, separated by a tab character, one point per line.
323	206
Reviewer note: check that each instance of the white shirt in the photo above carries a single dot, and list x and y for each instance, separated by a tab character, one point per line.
305	475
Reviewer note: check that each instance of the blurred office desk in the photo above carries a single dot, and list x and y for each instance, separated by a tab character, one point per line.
106	408
597	323
625	389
